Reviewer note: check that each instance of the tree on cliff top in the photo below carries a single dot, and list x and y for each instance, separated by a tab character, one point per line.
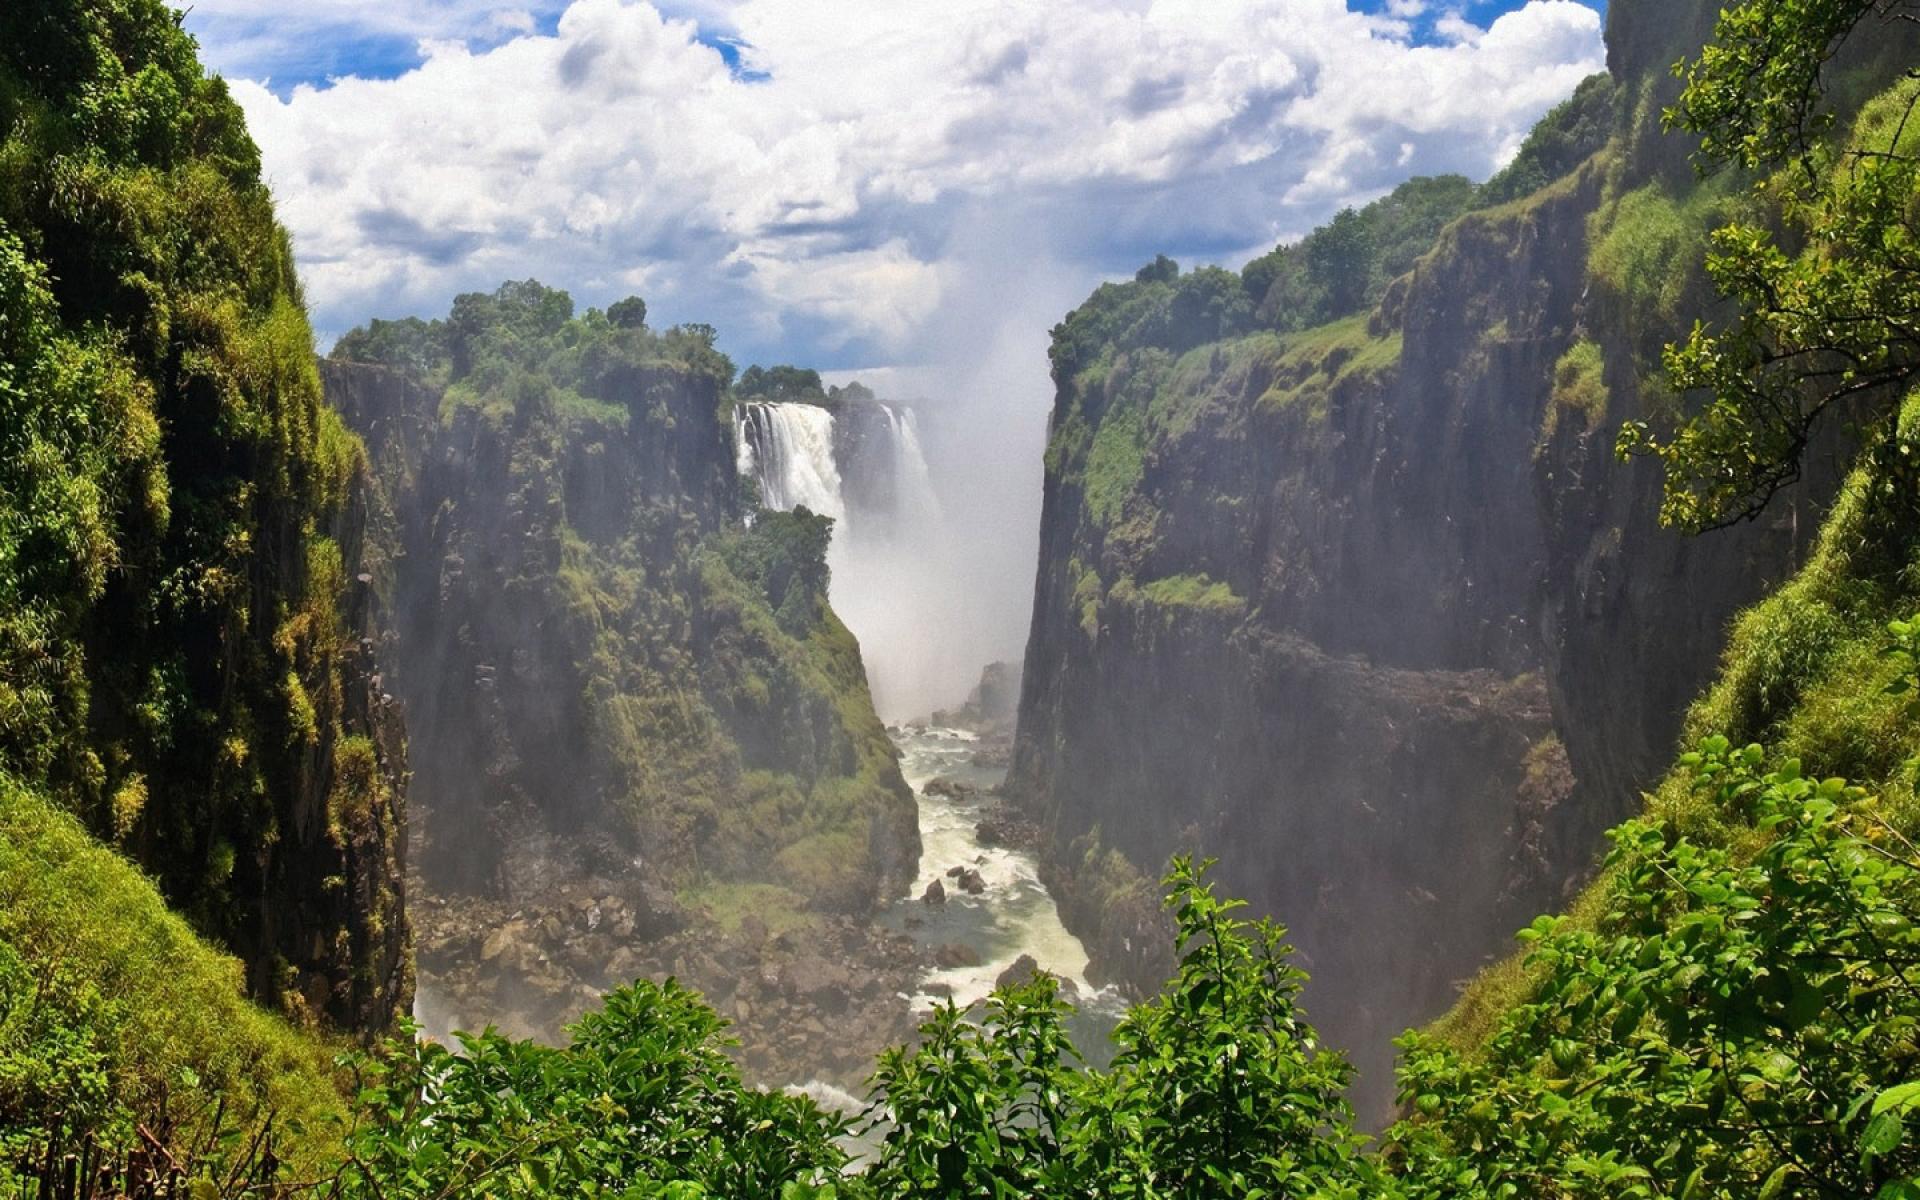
1830	312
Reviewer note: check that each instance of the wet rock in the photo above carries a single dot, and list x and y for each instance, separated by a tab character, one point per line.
1025	968
996	754
971	883
957	954
948	788
1021	970
936	893
624	967
817	982
501	940
1007	826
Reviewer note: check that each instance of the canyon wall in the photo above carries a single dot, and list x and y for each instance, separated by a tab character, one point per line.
606	672
184	653
1369	610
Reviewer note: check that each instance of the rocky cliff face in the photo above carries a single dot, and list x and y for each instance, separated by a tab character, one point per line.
643	743
1370	612
601	670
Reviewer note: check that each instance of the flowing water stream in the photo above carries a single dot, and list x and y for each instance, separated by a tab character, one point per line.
867	470
1014	915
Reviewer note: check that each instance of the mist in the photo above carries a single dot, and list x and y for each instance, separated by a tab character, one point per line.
954	590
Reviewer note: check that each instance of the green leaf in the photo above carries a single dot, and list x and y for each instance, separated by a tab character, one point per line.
1881	1136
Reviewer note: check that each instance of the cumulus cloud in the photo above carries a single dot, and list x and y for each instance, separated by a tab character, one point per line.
792	171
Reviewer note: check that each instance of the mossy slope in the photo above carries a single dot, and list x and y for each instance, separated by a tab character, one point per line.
115	1015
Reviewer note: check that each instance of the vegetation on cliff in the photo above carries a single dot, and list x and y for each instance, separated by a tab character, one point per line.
564	524
179	663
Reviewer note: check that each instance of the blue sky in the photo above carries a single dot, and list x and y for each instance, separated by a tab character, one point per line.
830	183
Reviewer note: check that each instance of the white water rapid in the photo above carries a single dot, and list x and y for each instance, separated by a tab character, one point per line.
1014	915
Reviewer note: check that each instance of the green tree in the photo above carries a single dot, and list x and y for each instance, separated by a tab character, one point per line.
1829	310
642	1103
1734	1026
630	313
1340	261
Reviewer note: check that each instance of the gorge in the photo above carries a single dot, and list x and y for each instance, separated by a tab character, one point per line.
532	668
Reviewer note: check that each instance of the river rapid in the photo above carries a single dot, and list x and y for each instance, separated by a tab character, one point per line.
1014	915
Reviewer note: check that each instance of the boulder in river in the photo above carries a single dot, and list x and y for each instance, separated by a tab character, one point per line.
936	893
948	788
971	883
1025	968
957	954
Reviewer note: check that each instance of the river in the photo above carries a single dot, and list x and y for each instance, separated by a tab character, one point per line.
1014	915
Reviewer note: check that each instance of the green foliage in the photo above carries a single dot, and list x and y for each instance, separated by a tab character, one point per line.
981	1109
1345	266
1642	249
784	555
1217	1088
1115	462
1160	309
408	344
1826	313
1579	387
1729	1026
170	661
1754	93
598	365
781	384
1574	131
630	313
641	1104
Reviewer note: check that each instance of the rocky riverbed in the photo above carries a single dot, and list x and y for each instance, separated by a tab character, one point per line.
813	998
816	1001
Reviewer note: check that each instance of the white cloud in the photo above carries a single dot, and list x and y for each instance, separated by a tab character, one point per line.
816	206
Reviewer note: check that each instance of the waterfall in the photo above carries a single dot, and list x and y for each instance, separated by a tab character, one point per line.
789	450
913	481
864	466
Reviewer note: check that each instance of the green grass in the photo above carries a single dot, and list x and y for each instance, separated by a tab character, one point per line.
1307	367
781	909
1646	247
1579	389
1115	463
1199	593
123	1015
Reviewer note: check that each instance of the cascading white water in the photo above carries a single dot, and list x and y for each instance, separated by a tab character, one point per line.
912	479
788	448
864	466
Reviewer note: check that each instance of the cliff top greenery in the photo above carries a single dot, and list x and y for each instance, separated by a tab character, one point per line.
593	359
1338	270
